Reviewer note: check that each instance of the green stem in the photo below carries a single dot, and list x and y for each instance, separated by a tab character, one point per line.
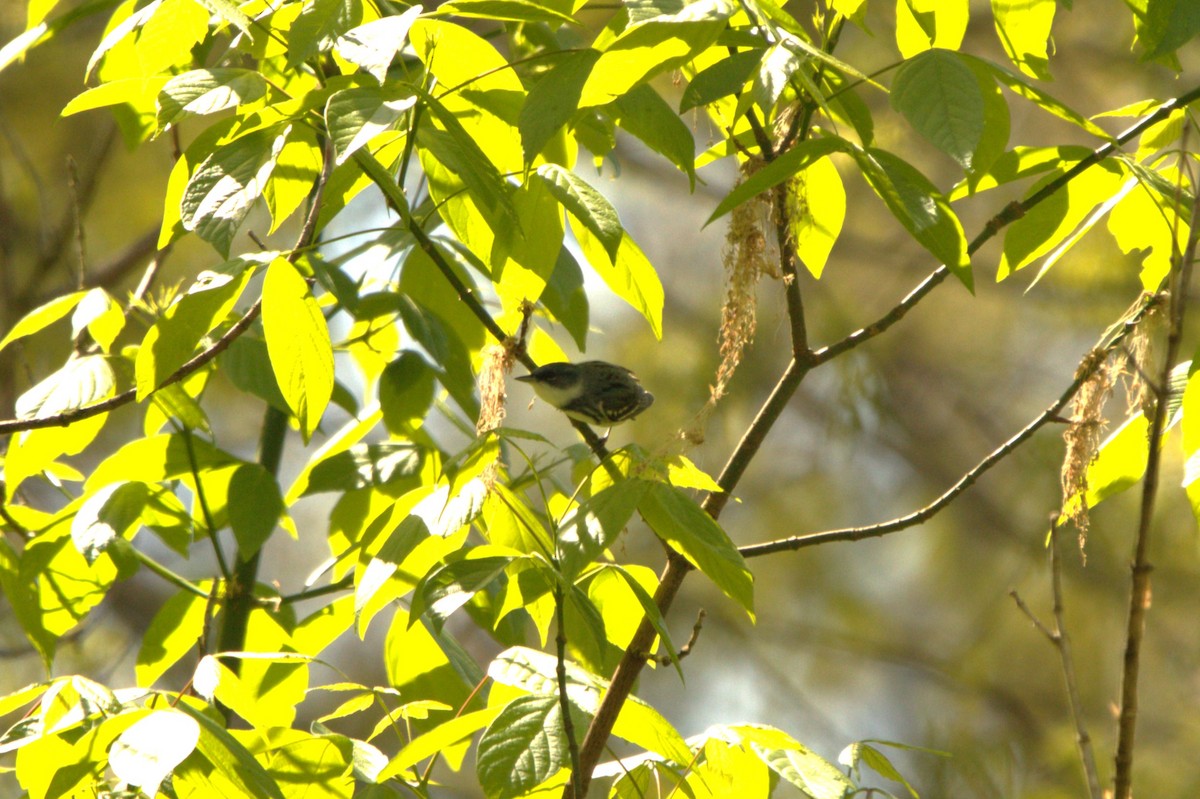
240	594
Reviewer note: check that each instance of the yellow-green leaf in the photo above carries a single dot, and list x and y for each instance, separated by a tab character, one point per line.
298	343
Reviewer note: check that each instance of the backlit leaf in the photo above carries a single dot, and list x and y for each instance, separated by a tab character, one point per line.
298	343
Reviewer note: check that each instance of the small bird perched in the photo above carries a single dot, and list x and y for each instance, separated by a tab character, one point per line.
593	392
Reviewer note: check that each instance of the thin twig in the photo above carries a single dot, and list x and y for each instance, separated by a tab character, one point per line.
1062	642
1139	595
1052	414
197	361
202	499
1010	214
343	584
686	649
1033	619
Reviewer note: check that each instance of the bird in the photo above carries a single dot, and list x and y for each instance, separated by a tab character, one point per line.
593	392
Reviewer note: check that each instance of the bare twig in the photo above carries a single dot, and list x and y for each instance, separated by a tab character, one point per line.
1033	619
686	649
1139	595
1062	642
1048	416
1010	214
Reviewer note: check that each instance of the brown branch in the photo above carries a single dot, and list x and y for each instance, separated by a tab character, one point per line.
1062	642
1139	594
1088	366
677	566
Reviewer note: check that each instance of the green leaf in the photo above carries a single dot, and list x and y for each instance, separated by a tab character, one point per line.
298	342
650	608
862	751
229	758
43	316
1020	85
207	91
454	147
565	298
820	199
157	459
229	11
586	206
438	739
777	67
447	588
173	633
173	339
405	392
922	24
721	79
630	275
679	521
22	598
148	751
221	192
401	533
80	382
105	515
1024	31
248	366
1120	463
141	93
638	722
1045	226
1163	26
522	748
364	465
513	10
553	101
785	166
940	97
918	206
1020	163
101	316
653	46
592	526
297	168
373	46
254	507
355	116
796	763
319	26
644	113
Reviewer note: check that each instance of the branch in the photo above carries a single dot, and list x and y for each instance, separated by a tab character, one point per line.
394	195
200	359
1087	367
1139	595
1010	214
1062	642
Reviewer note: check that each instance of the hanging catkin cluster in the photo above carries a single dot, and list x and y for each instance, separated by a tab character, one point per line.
1083	439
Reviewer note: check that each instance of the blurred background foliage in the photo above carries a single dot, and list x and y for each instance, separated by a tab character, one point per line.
912	637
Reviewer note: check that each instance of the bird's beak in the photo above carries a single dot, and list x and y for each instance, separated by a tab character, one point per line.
526	378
